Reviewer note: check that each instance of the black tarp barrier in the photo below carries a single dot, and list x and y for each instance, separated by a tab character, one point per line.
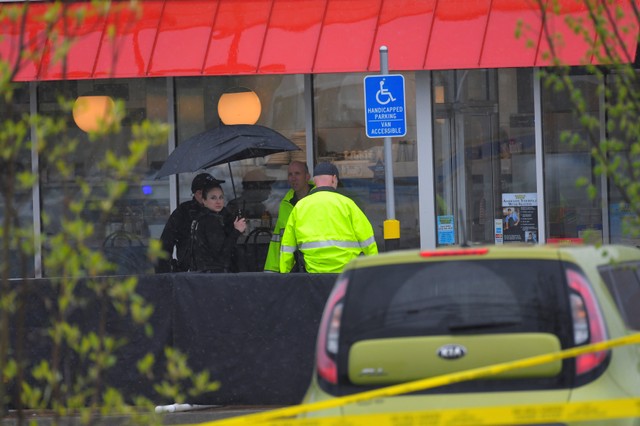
254	332
41	296
158	291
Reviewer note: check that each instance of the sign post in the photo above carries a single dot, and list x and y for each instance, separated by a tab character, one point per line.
385	117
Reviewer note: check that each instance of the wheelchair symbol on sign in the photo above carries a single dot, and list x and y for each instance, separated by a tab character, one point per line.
384	94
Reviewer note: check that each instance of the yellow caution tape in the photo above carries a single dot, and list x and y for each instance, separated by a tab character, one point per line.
475	416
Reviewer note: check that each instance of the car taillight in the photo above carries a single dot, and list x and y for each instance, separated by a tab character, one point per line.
588	324
329	333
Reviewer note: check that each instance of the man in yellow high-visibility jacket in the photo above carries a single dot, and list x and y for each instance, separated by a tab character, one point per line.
298	177
328	228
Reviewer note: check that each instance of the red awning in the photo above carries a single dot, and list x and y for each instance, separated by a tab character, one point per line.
223	37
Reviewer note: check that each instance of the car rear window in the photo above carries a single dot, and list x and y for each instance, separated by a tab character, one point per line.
457	297
452	297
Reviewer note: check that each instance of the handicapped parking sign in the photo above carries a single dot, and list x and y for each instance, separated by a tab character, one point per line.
384	105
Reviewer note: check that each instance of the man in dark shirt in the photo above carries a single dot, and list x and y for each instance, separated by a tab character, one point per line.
177	230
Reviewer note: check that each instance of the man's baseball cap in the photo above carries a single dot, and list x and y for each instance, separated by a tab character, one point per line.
201	180
325	169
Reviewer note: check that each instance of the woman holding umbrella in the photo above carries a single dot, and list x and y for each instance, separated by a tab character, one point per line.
214	234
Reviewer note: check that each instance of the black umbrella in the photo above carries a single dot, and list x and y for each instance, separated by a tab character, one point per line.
224	144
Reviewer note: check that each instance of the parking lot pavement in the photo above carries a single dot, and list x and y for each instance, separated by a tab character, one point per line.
199	414
206	414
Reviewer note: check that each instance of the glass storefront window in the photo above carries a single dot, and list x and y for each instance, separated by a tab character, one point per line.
281	98
622	219
483	138
570	212
142	212
19	201
484	153
341	138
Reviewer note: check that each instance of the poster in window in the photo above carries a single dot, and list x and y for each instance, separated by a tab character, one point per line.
446	230
520	218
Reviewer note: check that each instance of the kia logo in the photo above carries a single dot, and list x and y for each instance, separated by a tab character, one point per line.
452	351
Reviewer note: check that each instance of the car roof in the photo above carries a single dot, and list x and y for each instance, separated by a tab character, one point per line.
582	254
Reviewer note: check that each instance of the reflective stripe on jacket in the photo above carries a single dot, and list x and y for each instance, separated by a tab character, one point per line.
329	229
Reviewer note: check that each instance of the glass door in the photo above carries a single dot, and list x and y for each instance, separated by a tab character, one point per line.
484	155
467	156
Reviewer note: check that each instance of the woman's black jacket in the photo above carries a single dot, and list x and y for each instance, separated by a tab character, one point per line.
213	240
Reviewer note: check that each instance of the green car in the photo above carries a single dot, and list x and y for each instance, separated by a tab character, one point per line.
409	315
